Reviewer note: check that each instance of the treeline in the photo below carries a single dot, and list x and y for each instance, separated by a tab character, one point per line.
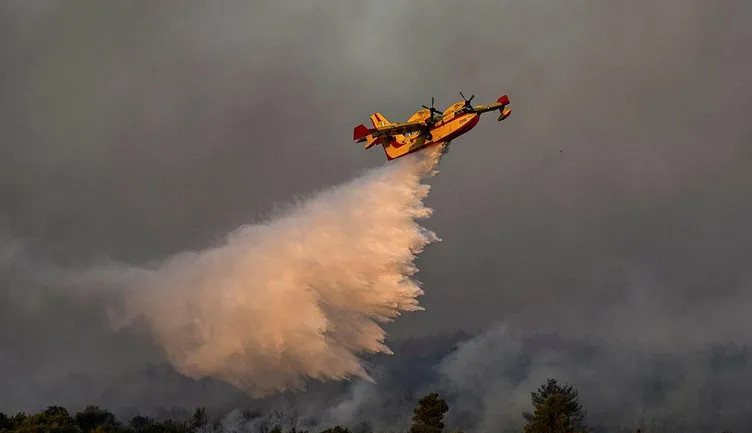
56	419
556	409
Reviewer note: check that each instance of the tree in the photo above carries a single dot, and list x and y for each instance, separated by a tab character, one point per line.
556	410
170	426
4	421
550	416
336	429
54	419
140	424
93	417
199	420
15	421
429	415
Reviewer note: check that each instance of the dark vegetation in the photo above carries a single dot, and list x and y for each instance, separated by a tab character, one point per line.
556	409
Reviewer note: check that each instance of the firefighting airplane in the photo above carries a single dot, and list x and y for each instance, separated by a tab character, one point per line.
426	127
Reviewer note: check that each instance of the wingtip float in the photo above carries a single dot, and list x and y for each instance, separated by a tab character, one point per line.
427	126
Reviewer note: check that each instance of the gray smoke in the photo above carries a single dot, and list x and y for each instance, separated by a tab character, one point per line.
609	215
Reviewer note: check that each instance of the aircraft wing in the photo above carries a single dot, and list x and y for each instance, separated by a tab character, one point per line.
361	131
399	128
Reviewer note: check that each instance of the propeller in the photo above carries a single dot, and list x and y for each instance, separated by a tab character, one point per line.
468	101
430	121
431	108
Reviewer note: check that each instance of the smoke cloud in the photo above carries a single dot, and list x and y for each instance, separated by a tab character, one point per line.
297	297
611	213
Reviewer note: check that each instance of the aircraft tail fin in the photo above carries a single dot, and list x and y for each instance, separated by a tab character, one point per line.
504	112
362	134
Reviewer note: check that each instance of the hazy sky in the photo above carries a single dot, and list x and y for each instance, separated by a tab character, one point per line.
608	218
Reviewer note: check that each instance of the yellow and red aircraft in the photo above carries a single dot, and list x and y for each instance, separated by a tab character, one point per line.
426	127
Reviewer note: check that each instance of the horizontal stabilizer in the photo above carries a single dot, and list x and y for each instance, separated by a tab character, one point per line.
370	141
504	114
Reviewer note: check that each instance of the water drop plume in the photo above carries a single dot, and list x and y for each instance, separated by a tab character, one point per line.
300	296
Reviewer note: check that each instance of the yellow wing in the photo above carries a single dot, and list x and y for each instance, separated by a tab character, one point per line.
398	128
383	128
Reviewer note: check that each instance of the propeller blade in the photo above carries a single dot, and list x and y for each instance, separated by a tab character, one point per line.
431	109
468	101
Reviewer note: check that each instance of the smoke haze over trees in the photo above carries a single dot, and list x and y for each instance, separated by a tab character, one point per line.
600	235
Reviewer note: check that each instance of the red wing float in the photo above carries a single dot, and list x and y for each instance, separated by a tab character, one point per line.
426	127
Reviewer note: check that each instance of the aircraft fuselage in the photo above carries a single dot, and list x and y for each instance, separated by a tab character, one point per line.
426	127
451	126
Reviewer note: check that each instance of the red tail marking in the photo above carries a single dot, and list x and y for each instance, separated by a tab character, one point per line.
360	132
504	100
